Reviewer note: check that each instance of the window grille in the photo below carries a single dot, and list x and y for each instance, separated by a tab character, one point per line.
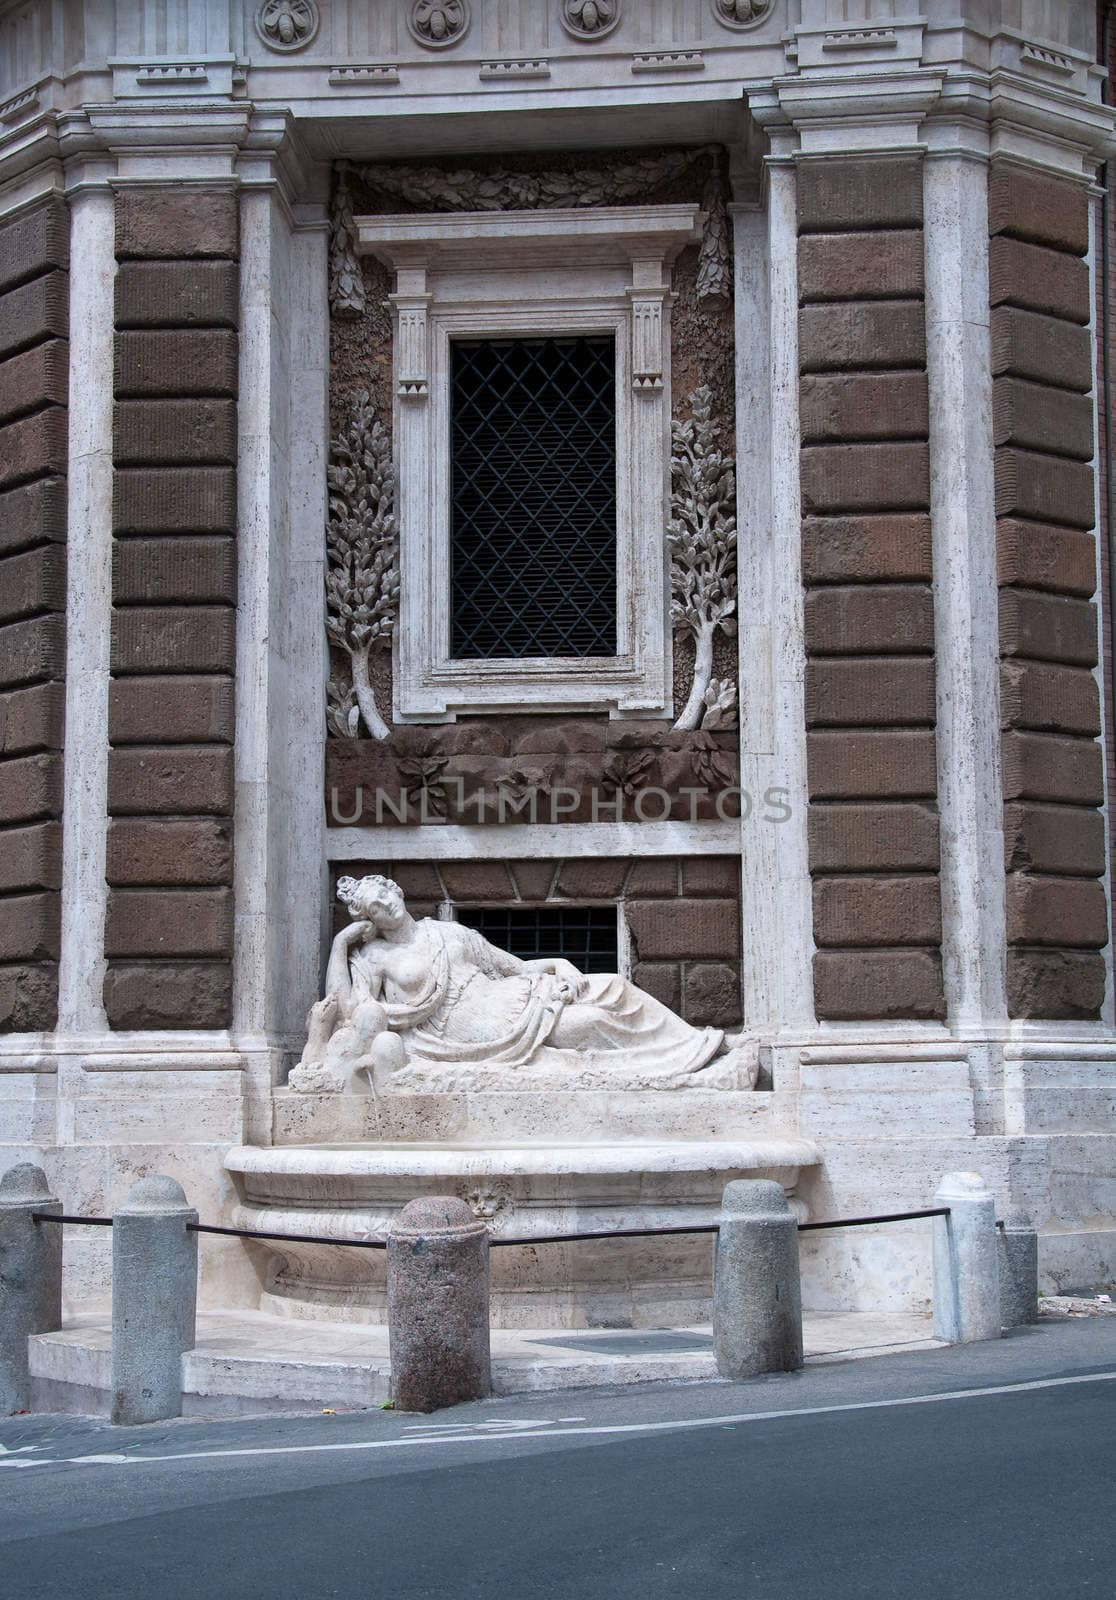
584	935
533	487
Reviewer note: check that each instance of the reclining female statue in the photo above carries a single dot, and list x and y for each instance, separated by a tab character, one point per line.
431	1006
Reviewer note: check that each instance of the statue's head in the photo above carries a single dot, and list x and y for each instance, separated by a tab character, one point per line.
373	899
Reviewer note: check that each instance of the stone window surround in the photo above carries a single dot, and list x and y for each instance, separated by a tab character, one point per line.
516	274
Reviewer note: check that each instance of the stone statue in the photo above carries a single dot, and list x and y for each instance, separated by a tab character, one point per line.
431	1006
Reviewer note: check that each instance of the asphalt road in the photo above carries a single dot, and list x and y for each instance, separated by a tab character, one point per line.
980	1473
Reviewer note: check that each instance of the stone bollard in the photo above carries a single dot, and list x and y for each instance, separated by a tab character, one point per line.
437	1294
966	1261
30	1277
154	1300
1018	1255
757	1294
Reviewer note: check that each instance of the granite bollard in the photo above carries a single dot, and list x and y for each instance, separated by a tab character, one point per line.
437	1293
966	1261
154	1300
1018	1255
757	1295
30	1277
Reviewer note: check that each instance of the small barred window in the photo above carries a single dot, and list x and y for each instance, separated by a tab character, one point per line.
584	935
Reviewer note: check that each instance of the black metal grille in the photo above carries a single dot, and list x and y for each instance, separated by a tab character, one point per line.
533	445
585	935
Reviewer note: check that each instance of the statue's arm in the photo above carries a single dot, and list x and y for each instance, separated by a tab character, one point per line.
339	979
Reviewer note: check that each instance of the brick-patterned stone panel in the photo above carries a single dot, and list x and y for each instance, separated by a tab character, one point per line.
1043	349
1048	627
873	838
32	513
873	192
876	910
169	923
31	858
168	994
711	996
866	477
868	985
1025	204
1069	913
1044	488
888	547
40	376
863	406
174	639
177	570
153	850
32	649
477	881
1067	841
174	710
32	581
33	312
888	764
1038	279
33	446
176	363
862	334
174	432
29	927
662	980
587	878
179	780
870	619
681	930
28	998
32	718
1044	766
174	500
860	266
1036	417
1052	698
162	222
709	875
653	878
177	294
870	692
33	241
1035	555
534	880
1059	985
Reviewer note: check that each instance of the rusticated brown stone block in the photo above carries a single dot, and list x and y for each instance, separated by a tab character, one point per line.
32	718
29	927
1037	556
861	192
34	240
877	548
896	764
33	446
28	998
1038	279
168	994
884	265
863	406
477	880
869	619
587	878
33	580
684	930
32	649
653	878
174	500
870	985
1046	766
711	995
180	850
1056	984
32	513
38	376
35	311
870	691
874	910
31	858
174	639
1048	627
167	222
1026	204
865	477
862	333
185	362
662	979
1044	488
710	875
174	432
177	294
1057	699
1043	349
169	922
179	710
183	780
873	838
178	569
1065	840
1036	417
1070	913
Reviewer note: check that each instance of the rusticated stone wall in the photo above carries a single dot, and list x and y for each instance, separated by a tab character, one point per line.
34	296
168	937
1042	359
869	614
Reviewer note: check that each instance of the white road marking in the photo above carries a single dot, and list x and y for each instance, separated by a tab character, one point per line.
731	1420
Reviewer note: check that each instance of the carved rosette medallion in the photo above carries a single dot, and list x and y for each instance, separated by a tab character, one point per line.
287	24
590	19
740	13
438	23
